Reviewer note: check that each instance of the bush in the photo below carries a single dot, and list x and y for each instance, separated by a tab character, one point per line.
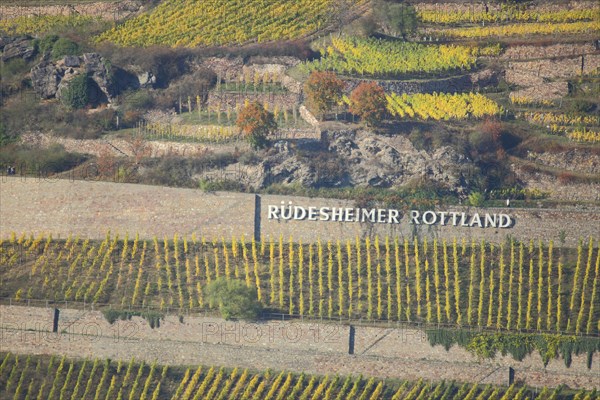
256	123
223	185
369	103
153	318
141	99
76	94
38	161
45	44
179	171
328	168
234	298
395	18
582	106
4	138
476	199
64	47
323	91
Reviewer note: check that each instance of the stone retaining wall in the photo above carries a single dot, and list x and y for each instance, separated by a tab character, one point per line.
89	209
106	10
393	352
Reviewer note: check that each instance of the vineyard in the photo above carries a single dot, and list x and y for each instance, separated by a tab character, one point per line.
44	23
441	106
533	28
378	57
506	14
512	286
201	23
32	377
578	128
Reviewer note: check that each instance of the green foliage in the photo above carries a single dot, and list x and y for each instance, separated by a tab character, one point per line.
235	299
393	58
46	44
64	47
395	18
582	106
228	185
518	345
39	161
476	199
76	94
152	317
14	67
4	137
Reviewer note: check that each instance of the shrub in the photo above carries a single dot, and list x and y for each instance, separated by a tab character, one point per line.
4	138
139	99
476	199
323	91
256	123
395	18
226	185
152	317
64	47
76	94
45	44
190	86
235	299
582	106
53	159
368	102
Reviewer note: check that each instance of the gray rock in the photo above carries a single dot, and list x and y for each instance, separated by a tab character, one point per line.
46	78
72	61
146	80
363	159
20	47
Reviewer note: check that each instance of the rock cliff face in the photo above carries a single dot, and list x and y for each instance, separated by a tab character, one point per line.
17	47
49	78
363	159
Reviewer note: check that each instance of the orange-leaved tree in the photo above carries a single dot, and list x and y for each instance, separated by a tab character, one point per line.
368	102
256	124
323	91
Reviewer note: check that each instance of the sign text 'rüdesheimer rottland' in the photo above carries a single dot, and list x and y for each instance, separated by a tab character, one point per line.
289	211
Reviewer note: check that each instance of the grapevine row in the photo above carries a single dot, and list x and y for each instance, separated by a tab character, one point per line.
208	23
65	379
379	57
475	284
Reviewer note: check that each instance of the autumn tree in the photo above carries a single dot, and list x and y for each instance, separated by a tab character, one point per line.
323	91
256	124
368	102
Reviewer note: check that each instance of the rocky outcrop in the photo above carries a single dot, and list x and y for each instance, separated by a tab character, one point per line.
45	78
17	47
49	78
360	158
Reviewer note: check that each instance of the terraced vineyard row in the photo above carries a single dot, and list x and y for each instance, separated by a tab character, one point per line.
533	28
441	106
209	23
40	24
45	377
513	286
505	15
378	57
578	128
